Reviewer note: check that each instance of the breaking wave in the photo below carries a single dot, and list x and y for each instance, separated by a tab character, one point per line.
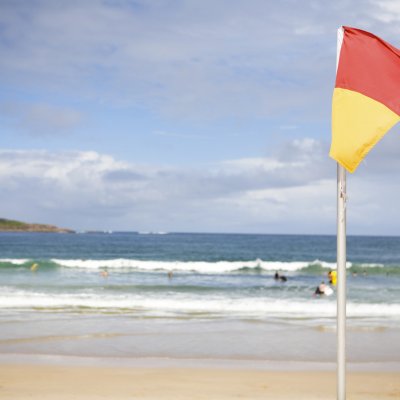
201	267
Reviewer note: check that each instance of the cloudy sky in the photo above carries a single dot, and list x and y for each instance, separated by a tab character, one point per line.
186	115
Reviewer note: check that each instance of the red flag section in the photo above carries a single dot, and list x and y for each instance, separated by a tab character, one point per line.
366	98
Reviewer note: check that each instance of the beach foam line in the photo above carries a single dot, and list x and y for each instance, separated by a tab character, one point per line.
178	305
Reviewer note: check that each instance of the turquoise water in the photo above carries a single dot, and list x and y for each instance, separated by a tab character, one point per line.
163	290
197	275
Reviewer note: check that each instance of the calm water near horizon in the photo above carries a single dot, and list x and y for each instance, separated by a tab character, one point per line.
182	295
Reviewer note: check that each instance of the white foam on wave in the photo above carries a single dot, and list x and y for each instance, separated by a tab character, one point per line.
372	265
180	304
16	261
153	233
188	266
329	265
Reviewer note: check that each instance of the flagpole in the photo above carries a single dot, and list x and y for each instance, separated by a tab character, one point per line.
341	283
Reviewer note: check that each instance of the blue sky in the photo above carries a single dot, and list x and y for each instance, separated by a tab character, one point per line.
184	116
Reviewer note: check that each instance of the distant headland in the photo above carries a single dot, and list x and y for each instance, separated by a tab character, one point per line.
8	225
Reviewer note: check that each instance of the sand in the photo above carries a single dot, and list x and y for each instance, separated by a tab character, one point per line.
90	383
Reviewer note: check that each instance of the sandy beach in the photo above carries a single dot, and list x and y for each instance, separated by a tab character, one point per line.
92	383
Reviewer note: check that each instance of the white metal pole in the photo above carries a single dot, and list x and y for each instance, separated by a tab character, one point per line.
341	283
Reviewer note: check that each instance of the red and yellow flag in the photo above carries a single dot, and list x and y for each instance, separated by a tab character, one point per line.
366	98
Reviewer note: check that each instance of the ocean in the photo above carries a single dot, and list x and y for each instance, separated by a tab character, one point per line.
196	296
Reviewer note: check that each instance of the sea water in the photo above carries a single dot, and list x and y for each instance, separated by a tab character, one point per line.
181	295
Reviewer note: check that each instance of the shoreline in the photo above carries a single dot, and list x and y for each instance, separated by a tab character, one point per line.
74	361
21	381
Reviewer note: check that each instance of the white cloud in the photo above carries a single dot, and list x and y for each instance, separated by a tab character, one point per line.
93	190
291	194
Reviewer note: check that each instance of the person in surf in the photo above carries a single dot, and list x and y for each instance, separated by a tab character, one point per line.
279	277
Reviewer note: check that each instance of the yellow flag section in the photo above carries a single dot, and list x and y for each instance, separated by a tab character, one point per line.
366	98
358	123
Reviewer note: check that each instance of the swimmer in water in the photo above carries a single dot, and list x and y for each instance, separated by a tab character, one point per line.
34	267
320	290
104	274
279	277
332	275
